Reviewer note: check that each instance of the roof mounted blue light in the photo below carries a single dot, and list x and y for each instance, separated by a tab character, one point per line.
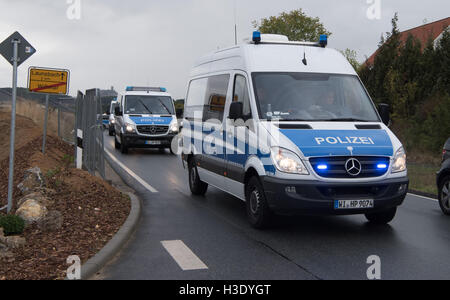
323	40
257	37
145	89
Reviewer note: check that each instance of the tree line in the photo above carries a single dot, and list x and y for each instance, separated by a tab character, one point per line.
414	79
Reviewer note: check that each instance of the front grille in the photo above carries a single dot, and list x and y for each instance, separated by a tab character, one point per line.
336	166
355	192
153	129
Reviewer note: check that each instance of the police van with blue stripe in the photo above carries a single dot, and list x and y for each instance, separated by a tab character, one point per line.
145	118
289	128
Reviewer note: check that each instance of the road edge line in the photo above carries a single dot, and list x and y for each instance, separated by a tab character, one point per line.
112	158
422	196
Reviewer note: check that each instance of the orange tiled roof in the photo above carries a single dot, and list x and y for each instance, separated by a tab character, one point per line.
422	33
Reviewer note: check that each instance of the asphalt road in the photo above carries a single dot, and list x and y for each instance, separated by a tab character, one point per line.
214	228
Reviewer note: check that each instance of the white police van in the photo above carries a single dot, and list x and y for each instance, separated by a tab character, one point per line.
145	118
289	128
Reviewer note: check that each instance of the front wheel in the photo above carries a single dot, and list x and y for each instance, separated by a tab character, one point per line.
258	212
383	217
197	186
111	131
444	195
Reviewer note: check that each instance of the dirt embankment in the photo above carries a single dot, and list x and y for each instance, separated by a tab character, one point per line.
36	112
92	210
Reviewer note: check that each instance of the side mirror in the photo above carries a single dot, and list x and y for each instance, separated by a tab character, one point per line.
117	111
384	113
236	111
179	113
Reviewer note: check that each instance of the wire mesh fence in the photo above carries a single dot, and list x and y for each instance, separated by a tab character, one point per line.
61	115
89	131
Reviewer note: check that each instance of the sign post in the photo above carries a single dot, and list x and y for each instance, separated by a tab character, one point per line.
16	50
48	81
44	140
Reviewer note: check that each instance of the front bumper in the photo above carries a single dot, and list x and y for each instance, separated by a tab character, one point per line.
133	140
317	197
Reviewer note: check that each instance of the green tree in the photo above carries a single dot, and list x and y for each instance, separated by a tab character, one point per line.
296	25
351	56
415	81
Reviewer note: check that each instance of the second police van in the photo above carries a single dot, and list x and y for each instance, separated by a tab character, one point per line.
145	118
289	128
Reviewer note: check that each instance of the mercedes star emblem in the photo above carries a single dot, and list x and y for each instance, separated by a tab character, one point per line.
353	167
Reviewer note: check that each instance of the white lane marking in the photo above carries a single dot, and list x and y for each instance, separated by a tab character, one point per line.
132	174
423	197
184	256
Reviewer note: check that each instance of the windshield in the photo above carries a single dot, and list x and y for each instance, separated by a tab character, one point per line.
151	105
312	97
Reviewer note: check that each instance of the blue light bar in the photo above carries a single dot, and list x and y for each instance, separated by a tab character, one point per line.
323	40
322	167
382	166
257	37
145	89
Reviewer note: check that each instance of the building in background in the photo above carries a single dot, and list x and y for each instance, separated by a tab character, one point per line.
431	31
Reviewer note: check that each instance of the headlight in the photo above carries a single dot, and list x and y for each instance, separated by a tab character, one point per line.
399	164
113	121
288	162
174	127
130	127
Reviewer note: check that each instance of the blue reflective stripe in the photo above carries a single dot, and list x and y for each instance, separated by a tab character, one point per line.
314	143
151	120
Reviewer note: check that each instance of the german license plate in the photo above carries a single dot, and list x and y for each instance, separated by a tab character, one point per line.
353	204
153	142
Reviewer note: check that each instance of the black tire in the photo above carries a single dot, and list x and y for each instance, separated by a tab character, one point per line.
111	131
116	143
123	147
444	195
197	186
383	217
259	214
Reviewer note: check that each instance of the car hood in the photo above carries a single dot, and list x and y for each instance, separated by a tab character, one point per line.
317	143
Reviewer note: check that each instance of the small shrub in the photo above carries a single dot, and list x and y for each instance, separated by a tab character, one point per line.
53	172
68	160
12	224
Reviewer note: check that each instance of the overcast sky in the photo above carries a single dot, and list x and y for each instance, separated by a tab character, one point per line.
155	42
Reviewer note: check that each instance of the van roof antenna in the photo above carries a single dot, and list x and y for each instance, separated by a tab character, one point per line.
305	62
235	22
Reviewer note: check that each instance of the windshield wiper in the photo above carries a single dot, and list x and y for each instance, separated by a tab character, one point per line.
145	106
165	107
294	120
345	120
